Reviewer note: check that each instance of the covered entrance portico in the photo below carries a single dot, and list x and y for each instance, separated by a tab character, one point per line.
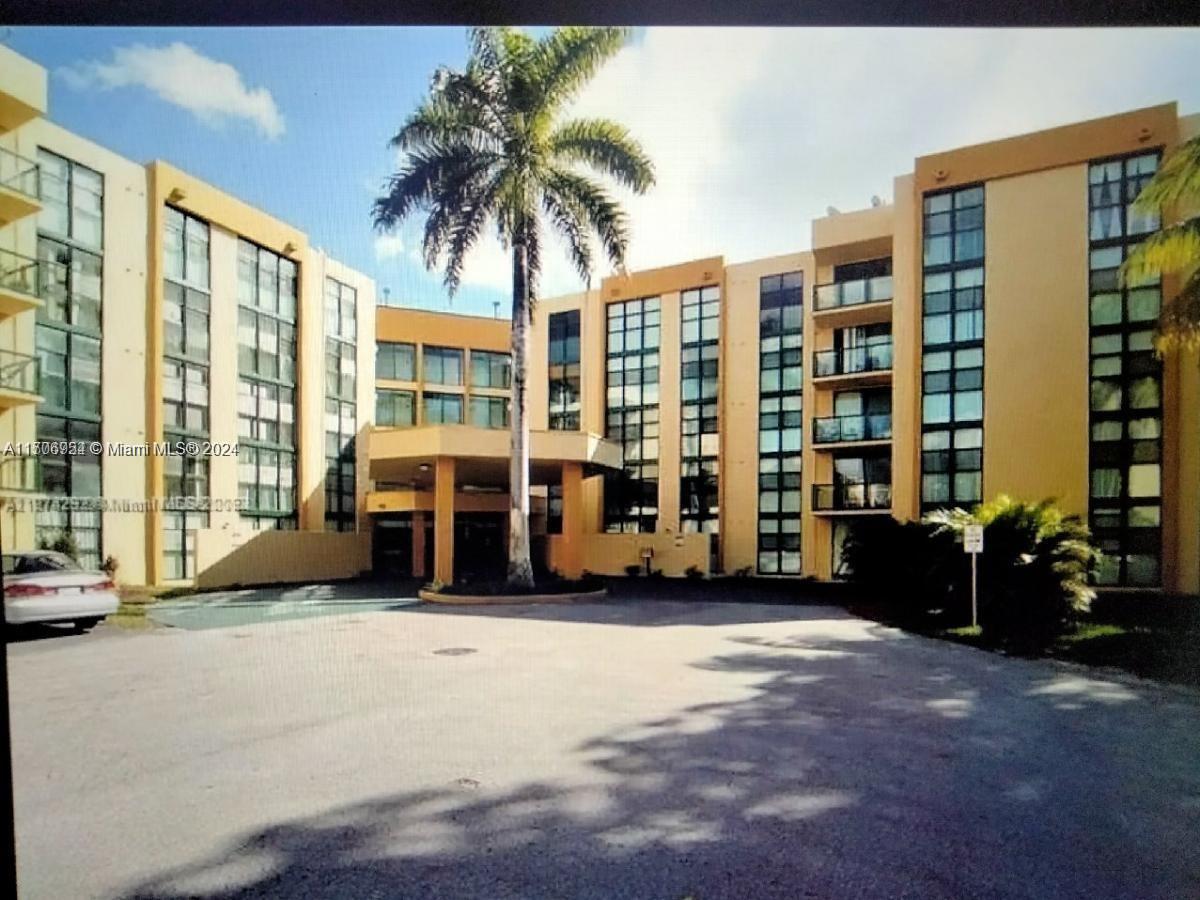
457	477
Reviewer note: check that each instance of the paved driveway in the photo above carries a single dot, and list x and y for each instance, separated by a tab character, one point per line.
622	750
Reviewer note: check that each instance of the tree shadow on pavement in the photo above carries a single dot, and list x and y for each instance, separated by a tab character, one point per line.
925	770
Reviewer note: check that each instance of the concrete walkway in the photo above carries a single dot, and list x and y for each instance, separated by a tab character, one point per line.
619	750
249	606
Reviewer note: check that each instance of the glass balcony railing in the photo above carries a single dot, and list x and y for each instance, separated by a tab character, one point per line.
854	293
20	473
848	496
841	429
19	372
34	278
20	174
852	360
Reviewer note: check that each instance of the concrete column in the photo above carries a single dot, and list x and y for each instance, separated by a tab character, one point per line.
443	523
572	520
418	543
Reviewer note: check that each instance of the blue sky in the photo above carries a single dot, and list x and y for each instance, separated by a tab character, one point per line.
753	131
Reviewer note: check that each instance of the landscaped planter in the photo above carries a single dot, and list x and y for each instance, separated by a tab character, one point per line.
497	599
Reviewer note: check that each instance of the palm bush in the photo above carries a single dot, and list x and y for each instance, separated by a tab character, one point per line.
903	564
492	146
1034	571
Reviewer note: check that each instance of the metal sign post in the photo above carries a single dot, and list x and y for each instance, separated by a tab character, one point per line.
973	544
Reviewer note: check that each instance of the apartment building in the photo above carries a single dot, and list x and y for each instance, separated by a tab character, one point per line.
144	308
965	340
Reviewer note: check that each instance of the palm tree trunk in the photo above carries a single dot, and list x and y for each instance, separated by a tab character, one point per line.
520	569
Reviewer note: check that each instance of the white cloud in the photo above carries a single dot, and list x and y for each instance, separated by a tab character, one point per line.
389	246
212	91
754	132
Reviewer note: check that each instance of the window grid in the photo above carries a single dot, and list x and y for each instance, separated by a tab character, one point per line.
1125	394
564	371
341	410
70	236
699	427
70	476
443	409
632	414
267	299
186	478
780	426
952	348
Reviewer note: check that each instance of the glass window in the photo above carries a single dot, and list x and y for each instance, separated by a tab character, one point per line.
443	409
443	365
632	363
395	409
395	361
490	370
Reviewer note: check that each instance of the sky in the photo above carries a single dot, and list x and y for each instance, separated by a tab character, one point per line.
753	132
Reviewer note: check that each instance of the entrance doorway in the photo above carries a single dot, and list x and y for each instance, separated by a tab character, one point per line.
392	545
479	546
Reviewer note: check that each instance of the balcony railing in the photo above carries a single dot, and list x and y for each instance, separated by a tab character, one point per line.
20	174
854	293
842	429
35	278
838	497
19	372
852	360
20	473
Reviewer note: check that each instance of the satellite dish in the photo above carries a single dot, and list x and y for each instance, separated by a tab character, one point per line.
875	201
832	211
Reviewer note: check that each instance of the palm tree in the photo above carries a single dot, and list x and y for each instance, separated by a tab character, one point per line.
1174	249
488	146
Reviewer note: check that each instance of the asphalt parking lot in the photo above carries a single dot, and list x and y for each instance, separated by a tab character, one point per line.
629	749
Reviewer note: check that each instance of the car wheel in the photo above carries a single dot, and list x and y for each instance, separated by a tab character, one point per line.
82	625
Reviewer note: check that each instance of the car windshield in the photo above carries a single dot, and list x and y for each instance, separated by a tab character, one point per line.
24	563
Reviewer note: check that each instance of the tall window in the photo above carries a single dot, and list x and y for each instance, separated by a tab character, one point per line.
780	428
699	426
443	365
395	409
952	349
267	385
490	370
563	375
341	330
70	242
397	362
1125	512
186	302
443	409
489	412
632	360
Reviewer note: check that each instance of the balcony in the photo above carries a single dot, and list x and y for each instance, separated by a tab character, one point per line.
850	497
860	429
858	302
864	365
20	187
19	474
24	280
20	380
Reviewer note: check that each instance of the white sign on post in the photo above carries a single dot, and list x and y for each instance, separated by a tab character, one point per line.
973	538
973	544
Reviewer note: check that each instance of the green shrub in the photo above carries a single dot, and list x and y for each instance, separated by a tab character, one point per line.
901	564
693	572
1034	571
633	570
64	542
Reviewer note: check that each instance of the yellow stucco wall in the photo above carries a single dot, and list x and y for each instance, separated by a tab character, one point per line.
225	558
609	554
906	351
1035	389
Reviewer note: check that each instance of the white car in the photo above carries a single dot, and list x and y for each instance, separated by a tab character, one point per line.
45	586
